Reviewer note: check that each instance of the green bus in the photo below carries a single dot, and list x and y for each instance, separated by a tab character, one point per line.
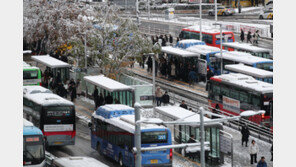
31	75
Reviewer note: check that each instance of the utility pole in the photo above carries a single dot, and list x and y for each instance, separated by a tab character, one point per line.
216	11
85	65
153	82
148	9
200	22
137	12
138	135
202	138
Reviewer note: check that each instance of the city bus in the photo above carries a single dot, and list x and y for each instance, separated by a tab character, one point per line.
249	48
31	75
233	93
243	58
113	135
54	115
210	36
33	145
259	74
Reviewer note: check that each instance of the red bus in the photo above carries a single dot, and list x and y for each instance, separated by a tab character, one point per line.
234	92
210	36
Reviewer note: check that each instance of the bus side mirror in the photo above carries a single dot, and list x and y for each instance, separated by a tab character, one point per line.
89	124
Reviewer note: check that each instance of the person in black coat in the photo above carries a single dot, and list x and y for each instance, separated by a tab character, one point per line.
96	96
101	100
249	36
166	98
245	135
183	105
256	2
149	64
109	99
242	36
271	151
191	139
171	39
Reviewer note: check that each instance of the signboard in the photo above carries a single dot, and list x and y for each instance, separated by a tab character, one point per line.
231	104
58	128
146	97
225	144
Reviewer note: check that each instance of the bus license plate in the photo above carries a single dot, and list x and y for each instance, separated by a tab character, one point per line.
154	161
58	142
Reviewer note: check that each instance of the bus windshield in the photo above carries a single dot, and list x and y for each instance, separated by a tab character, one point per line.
154	137
33	152
30	74
265	66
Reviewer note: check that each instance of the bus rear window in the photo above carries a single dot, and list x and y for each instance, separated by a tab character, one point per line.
30	74
59	111
154	137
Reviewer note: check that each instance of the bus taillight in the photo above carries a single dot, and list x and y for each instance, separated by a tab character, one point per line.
171	154
262	116
40	84
208	69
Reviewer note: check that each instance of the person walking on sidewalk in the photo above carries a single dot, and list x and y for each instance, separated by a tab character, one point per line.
242	35
256	37
171	39
262	162
183	105
245	135
158	95
166	99
271	151
253	150
96	97
249	36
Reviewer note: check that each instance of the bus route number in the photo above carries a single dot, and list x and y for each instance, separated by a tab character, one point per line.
161	137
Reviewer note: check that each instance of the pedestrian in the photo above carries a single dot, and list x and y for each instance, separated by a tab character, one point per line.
235	3
171	39
166	98
191	139
117	101
183	105
173	71
252	2
160	40
256	37
109	99
152	39
262	162
158	95
149	64
271	30
101	100
253	150
192	77
65	89
242	36
78	87
249	36
96	97
73	92
245	135
271	151
178	39
256	2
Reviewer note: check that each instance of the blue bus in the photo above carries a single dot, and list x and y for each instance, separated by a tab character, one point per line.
112	134
33	146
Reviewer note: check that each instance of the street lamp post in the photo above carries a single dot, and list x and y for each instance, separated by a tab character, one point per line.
220	45
200	22
85	51
216	18
202	139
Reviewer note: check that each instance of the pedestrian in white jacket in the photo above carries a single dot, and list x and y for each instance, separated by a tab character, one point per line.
253	150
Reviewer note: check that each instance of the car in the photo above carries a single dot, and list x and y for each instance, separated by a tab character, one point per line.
266	14
222	11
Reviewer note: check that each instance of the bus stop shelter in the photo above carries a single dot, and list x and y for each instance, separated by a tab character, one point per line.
57	67
143	90
123	93
182	133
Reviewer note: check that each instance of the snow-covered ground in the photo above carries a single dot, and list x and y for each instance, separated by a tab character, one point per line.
249	9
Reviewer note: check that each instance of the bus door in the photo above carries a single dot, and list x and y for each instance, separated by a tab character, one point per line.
202	68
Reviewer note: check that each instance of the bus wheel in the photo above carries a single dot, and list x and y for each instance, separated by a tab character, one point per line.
120	161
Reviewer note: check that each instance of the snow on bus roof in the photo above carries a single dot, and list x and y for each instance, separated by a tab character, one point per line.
177	51
177	113
27	123
79	161
107	83
242	57
206	29
50	61
127	122
252	71
116	107
246	46
185	41
203	49
245	81
43	96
